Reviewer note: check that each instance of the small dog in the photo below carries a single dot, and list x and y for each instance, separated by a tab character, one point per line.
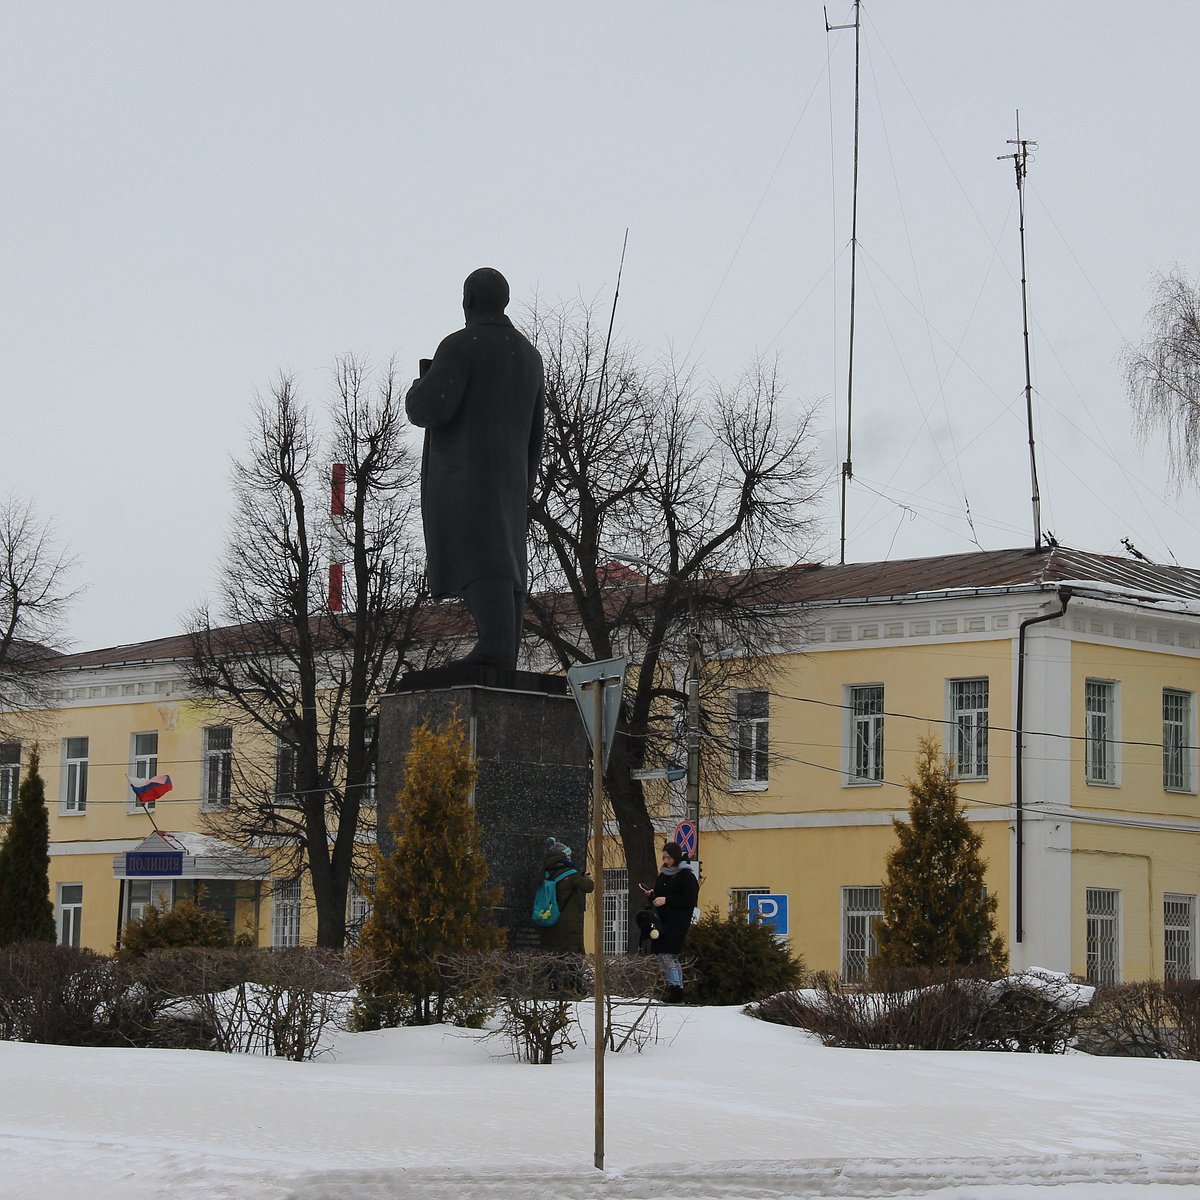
649	927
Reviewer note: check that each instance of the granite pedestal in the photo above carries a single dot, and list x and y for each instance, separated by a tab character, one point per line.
534	780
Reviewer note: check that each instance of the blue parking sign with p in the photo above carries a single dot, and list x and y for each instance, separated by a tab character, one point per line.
769	910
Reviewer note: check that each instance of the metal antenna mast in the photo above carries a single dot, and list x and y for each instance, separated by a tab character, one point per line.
847	466
1020	159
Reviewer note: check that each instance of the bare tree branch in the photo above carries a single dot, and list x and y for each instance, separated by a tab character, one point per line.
1162	373
298	676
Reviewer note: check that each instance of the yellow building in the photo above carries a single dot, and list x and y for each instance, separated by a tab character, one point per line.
1062	684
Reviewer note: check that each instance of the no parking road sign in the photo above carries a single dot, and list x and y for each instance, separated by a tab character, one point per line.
688	837
770	910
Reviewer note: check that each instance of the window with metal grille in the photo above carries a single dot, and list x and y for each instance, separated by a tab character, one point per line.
969	712
286	765
616	910
1103	935
860	907
866	734
75	775
1099	733
143	765
1177	736
218	766
751	711
1179	936
358	908
739	899
285	912
10	777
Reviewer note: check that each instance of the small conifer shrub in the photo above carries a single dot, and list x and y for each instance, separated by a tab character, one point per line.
936	911
185	924
735	961
26	911
433	901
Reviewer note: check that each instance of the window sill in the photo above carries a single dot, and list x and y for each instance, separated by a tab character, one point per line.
969	778
72	812
749	785
863	783
1102	783
1175	791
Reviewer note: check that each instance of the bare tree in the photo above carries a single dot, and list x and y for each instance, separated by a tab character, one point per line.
1162	373
710	490
300	673
34	599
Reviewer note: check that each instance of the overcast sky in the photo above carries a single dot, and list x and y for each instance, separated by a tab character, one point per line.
197	195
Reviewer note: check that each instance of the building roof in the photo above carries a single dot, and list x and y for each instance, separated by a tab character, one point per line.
1049	568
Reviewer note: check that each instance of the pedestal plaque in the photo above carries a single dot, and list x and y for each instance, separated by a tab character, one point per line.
532	757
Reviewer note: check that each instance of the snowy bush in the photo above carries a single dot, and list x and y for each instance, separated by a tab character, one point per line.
1150	1019
61	995
1036	1011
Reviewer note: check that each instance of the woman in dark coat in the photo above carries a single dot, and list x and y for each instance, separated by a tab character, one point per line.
674	897
566	934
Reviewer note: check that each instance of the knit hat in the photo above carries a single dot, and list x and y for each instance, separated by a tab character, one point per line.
675	850
554	846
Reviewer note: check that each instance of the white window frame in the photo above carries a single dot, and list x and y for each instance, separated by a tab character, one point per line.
10	777
967	703
1101	767
217	773
616	910
68	914
140	893
1179	936
861	906
865	734
749	740
1102	908
1179	742
143	765
285	913
74	777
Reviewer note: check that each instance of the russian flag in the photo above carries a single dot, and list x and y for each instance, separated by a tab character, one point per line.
151	789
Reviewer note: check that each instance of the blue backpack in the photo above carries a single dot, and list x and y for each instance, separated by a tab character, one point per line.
545	901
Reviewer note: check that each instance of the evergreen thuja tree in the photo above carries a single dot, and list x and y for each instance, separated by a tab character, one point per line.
432	900
26	913
936	912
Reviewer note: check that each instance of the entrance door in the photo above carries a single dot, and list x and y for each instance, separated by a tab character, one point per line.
616	910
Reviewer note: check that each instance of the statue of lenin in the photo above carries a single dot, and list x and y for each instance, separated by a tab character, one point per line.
481	402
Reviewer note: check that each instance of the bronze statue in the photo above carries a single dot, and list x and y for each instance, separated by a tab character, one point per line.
481	402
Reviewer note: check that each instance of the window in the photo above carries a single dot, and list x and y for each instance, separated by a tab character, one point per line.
1103	935
218	766
70	912
358	908
370	748
1179	937
969	714
1099	731
616	910
285	912
74	776
860	907
1177	738
286	763
10	777
739	899
141	893
143	753
866	734
750	738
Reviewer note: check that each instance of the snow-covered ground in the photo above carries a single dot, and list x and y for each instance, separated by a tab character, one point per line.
722	1106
